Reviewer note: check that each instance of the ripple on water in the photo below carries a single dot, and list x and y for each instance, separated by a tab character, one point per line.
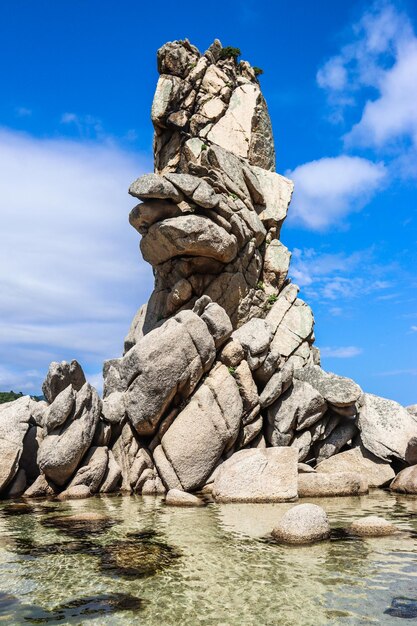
226	573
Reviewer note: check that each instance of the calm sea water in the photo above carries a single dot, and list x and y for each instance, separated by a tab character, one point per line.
145	563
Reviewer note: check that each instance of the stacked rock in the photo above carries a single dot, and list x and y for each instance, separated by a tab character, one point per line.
220	386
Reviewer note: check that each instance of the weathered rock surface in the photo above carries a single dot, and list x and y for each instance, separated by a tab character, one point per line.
323	485
361	461
205	428
60	376
176	497
184	349
298	408
388	430
89	475
338	391
303	523
256	475
62	449
405	481
372	526
14	424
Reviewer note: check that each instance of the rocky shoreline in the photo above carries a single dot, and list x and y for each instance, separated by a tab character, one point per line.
220	389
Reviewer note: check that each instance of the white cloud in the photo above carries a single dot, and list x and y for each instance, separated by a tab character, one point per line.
328	189
345	352
71	276
414	329
377	70
393	115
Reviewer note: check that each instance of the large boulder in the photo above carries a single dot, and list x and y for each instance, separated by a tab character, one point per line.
377	472
323	485
14	425
304	523
62	449
387	429
188	235
254	337
168	361
258	475
296	326
204	429
89	475
405	481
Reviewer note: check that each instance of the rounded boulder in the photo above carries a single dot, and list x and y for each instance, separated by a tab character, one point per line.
304	523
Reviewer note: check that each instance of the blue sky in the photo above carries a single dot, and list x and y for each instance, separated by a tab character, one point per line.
77	81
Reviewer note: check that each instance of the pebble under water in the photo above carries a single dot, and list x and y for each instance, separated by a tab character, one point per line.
133	560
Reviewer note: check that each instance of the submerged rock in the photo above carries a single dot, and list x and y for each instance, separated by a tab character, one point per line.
79	525
403	607
136	559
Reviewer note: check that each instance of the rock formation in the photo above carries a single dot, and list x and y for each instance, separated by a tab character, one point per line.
220	387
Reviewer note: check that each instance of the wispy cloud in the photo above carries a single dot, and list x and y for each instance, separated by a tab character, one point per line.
343	352
376	71
70	273
88	126
413	329
338	276
328	189
375	44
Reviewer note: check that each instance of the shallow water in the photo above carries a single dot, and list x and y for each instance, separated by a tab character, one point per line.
159	565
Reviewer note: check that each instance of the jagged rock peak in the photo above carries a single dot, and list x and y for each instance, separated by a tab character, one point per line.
211	214
211	97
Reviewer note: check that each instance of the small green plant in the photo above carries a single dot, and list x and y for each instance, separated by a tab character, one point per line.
204	146
272	298
234	196
230	52
232	371
260	285
257	71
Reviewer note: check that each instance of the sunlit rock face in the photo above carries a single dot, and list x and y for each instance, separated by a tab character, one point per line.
211	214
219	381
